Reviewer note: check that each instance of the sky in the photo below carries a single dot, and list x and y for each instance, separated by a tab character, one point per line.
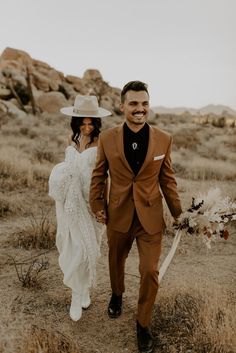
185	50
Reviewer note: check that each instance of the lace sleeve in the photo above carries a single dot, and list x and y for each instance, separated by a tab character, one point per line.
87	165
62	174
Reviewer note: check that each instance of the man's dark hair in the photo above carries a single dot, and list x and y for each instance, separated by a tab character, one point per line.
133	86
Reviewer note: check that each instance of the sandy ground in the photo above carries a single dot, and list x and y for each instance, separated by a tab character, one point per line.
48	307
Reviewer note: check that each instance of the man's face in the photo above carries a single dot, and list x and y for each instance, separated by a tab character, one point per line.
135	107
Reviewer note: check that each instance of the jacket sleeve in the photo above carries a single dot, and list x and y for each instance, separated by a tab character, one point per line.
98	187
168	184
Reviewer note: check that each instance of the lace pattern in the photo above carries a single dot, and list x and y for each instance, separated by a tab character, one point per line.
78	234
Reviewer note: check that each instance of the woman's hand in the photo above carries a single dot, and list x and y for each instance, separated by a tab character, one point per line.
101	216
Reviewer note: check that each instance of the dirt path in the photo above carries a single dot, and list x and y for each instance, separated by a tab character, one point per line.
95	332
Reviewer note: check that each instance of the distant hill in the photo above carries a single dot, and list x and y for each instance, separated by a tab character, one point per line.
211	108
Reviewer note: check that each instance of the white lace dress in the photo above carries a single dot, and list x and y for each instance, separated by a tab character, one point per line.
78	236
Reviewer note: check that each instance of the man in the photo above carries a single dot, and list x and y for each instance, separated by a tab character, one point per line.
137	157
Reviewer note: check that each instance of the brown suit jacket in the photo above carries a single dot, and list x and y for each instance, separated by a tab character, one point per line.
129	192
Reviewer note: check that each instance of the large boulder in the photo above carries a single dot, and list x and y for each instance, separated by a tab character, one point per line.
46	78
5	93
7	66
77	83
19	56
40	81
39	64
54	80
92	74
67	90
13	110
51	102
230	121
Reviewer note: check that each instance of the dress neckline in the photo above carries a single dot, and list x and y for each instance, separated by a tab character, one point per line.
86	149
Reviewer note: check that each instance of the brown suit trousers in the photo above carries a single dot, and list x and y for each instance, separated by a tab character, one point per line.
149	249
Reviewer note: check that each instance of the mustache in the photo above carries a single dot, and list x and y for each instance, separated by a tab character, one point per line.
139	112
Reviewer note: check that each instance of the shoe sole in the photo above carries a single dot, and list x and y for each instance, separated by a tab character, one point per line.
113	316
86	307
150	350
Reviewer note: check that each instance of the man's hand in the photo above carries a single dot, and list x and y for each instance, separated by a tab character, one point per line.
176	223
101	216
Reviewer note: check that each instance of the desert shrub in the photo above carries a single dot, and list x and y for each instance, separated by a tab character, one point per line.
24	130
9	205
218	146
189	165
205	169
231	142
33	133
30	273
42	152
39	232
211	151
185	139
47	341
5	206
194	321
16	170
41	173
15	173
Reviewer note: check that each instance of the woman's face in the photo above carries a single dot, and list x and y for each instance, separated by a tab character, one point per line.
87	127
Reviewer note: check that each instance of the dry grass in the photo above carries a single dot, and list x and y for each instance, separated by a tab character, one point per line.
185	138
218	147
43	340
196	321
39	231
191	166
10	205
205	169
42	152
17	170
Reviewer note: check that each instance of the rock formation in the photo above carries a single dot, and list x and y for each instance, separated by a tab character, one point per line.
31	85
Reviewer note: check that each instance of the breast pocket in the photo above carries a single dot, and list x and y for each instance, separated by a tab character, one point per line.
159	157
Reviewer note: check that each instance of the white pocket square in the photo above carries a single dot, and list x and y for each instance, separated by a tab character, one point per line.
157	158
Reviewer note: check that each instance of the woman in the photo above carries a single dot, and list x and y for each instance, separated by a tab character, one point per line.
78	234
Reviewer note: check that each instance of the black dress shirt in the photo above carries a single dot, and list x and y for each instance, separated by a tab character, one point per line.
135	146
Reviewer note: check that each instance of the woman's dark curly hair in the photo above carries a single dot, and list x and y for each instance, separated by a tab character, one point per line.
75	124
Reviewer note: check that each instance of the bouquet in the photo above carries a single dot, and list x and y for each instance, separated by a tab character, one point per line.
208	216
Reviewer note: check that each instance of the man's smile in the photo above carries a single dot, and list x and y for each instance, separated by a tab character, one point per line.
139	115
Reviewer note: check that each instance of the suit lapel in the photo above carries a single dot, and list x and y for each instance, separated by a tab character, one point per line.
120	146
150	151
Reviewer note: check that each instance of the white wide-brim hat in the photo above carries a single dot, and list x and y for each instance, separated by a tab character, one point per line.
85	107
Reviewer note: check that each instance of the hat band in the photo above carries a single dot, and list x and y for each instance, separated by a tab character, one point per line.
84	112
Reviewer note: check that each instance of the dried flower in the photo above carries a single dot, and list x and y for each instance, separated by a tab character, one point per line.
208	216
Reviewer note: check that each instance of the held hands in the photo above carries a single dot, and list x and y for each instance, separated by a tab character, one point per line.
101	216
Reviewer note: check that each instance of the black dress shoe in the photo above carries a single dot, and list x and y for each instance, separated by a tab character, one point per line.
145	339
115	306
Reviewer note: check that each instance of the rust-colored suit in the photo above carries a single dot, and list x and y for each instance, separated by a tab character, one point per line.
135	208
